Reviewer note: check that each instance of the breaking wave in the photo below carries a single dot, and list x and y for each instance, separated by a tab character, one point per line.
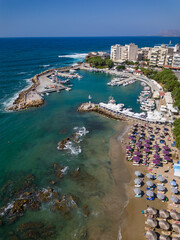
74	56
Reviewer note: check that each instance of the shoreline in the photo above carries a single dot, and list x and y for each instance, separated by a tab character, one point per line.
30	97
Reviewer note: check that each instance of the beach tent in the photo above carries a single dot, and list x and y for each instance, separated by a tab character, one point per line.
152	222
150	176
173	183
137	181
161	188
164	213
138	173
174	199
152	210
151	235
164	225
176	169
149	183
137	191
175	215
176	227
161	178
174	190
164	237
161	196
150	193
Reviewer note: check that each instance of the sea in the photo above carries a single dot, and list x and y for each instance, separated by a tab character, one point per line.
73	193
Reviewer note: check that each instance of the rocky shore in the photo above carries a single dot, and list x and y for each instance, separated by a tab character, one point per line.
33	98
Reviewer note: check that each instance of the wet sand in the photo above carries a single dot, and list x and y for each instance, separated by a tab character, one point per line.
113	203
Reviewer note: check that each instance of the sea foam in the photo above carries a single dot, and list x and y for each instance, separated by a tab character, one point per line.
75	55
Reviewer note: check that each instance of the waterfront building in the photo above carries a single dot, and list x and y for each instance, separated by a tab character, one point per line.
144	53
160	55
176	60
122	53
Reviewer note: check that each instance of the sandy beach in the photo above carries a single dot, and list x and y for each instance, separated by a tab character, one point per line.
134	220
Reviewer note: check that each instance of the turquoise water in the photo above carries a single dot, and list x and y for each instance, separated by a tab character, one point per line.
28	144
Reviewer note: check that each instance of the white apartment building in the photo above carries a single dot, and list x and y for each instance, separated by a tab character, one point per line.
144	53
176	60
161	55
122	53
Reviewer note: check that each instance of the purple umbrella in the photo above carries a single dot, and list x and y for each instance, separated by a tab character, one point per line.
137	159
156	146
156	156
128	147
137	153
146	150
166	147
147	141
166	152
130	137
147	145
138	144
157	162
167	158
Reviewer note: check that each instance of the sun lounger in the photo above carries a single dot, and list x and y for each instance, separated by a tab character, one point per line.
138	196
150	199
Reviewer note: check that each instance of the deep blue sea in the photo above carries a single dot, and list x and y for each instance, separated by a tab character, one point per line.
29	160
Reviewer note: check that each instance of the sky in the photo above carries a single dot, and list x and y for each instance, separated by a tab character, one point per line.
65	18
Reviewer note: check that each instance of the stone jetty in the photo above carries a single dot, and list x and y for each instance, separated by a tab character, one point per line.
92	107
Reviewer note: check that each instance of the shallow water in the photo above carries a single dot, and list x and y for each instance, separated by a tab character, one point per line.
28	145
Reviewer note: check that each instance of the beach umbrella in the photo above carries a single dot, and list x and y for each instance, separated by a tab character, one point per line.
156	146
147	145
167	158
164	237
156	156
131	137
157	162
151	235
137	181
161	196
164	225
138	173
150	176
147	141
137	153
161	178
176	227
152	210
137	191
173	183
166	147
161	188
174	199
149	183
128	147
150	193
175	215
165	152
138	144
151	222
174	190
137	159
163	213
147	150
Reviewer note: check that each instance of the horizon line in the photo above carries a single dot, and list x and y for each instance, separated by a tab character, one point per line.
91	36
